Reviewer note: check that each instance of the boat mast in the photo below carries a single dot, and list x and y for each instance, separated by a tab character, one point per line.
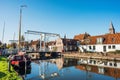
19	45
3	33
20	29
14	37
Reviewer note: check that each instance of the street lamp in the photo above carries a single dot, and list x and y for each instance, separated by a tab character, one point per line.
22	6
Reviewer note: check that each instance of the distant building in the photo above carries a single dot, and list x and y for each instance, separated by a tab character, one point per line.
34	45
51	46
100	43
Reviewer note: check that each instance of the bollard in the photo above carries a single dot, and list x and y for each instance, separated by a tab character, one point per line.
25	65
9	66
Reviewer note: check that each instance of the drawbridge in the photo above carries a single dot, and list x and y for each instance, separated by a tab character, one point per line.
43	51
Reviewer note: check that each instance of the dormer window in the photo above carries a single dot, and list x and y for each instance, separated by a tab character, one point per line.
100	40
113	39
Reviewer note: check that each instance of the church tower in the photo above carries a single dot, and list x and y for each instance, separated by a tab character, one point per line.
111	29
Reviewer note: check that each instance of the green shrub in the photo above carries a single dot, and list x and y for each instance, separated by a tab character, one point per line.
4	73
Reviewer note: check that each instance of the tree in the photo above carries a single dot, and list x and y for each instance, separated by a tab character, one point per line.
0	44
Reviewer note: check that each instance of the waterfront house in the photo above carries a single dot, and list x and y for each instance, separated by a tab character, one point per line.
101	43
67	45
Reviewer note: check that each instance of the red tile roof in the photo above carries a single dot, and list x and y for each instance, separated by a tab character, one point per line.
113	38
34	42
81	36
93	39
107	39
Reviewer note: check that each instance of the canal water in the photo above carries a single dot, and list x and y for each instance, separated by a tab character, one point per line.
71	69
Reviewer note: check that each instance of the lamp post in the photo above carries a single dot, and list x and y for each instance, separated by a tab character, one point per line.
22	6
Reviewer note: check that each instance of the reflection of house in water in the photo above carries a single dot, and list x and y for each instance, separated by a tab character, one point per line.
69	62
113	72
96	62
58	62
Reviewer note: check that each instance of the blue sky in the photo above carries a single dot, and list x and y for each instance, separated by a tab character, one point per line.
70	17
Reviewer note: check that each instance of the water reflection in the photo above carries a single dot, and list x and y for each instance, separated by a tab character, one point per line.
23	71
96	62
72	69
107	71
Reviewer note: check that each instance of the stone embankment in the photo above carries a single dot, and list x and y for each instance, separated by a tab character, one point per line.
102	56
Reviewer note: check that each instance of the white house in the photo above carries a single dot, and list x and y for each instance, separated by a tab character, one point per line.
100	43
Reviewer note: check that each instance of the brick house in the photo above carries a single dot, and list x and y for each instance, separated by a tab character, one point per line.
66	45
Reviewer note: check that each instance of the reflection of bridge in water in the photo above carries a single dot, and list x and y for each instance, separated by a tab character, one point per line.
71	69
40	55
46	72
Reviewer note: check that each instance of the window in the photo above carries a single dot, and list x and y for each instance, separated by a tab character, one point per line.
69	43
75	48
90	47
104	48
100	40
78	43
93	47
70	47
109	47
113	46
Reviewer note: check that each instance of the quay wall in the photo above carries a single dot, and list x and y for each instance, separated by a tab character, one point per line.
101	56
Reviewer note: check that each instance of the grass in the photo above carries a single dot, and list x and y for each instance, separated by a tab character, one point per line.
4	73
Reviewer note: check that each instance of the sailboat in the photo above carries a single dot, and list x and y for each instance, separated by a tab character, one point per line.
21	59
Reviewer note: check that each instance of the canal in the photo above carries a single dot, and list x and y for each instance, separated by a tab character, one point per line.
71	69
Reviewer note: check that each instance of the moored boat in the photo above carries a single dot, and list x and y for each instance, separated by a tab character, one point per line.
20	60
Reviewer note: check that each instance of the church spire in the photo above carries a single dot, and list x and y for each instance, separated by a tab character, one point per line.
111	29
